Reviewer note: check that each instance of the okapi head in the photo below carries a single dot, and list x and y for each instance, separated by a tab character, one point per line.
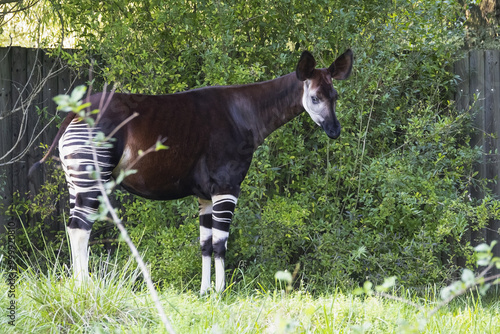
319	97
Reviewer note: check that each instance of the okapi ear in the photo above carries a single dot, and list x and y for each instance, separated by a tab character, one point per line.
341	68
305	67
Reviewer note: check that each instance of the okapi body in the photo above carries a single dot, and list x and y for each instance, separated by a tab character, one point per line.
211	134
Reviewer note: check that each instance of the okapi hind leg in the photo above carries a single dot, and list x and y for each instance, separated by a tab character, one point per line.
206	244
78	228
77	159
79	240
222	215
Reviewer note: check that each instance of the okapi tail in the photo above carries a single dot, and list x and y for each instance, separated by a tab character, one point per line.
63	127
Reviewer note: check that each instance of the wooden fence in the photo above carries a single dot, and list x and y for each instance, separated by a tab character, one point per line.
29	79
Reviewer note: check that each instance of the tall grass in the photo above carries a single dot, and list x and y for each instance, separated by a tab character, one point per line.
116	301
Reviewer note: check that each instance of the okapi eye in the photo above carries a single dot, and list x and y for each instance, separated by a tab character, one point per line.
315	99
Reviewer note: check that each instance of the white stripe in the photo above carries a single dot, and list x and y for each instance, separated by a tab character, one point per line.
205	234
220	275
218	235
224	198
205	207
206	263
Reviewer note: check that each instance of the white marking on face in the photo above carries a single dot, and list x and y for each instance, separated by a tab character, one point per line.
317	108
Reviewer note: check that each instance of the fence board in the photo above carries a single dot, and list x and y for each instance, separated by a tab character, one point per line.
19	119
492	107
34	75
462	98
5	130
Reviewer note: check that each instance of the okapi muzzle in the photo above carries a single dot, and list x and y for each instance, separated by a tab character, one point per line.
211	134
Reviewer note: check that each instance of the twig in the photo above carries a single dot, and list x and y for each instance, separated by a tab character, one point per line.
123	231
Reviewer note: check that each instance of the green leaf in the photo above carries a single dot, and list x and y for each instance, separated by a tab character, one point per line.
99	137
283	276
483	259
389	282
482	248
90	121
62	102
123	174
78	92
160	146
468	277
82	106
367	287
484	288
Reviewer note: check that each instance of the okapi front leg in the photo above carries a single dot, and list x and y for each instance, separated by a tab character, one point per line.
222	214
205	243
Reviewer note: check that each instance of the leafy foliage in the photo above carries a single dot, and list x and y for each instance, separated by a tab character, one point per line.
391	197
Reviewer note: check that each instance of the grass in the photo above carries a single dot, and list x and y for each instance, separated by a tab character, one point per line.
115	301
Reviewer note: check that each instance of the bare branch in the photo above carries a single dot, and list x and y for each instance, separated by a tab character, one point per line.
22	105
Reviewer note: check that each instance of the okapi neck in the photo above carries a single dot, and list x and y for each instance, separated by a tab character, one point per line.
264	107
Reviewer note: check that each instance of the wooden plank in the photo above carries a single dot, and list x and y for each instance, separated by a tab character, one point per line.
19	119
476	69
489	120
50	66
5	133
34	73
492	106
48	92
476	81
462	70
476	95
492	115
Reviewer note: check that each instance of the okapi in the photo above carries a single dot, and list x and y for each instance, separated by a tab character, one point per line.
211	134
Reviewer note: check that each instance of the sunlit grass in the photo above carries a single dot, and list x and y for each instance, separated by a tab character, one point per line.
115	301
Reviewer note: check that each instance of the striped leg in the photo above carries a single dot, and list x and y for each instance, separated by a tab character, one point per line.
215	218
222	214
77	159
205	243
